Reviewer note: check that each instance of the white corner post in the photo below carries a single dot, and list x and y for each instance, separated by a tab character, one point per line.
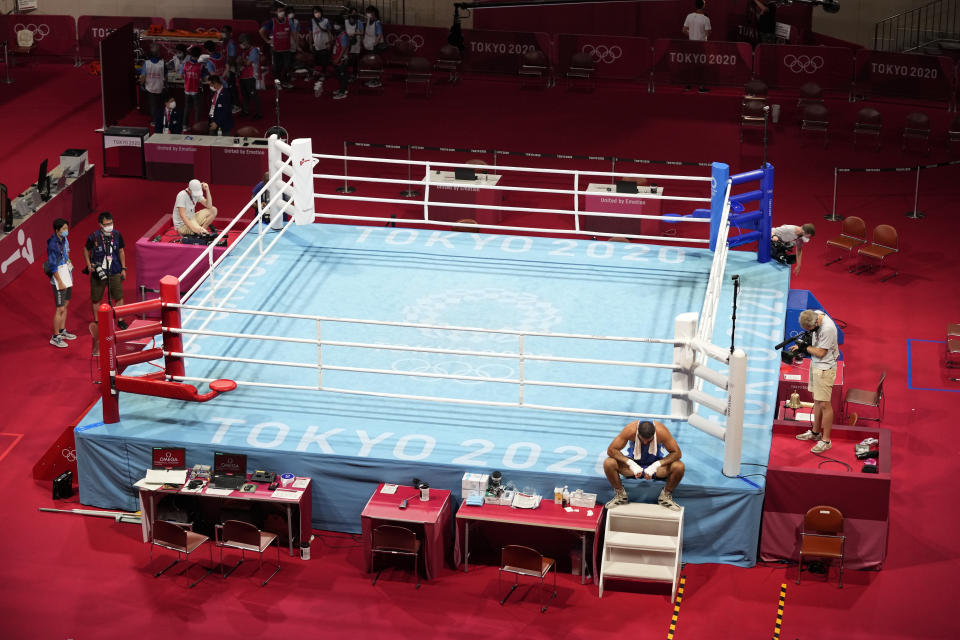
303	162
684	356
274	159
733	442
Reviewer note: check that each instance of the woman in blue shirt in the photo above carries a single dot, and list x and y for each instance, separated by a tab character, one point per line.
59	268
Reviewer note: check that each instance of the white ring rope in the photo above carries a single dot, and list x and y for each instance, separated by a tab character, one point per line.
291	171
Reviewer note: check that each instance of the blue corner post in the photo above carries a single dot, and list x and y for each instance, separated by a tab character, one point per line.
720	175
766	206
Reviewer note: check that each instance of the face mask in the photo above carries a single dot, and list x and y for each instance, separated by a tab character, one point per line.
318	15
369	16
107	228
172	105
63	234
281	15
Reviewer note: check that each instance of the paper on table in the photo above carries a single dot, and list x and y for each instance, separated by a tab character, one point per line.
389	488
65	275
792	376
149	486
166	476
287	494
213	491
301	483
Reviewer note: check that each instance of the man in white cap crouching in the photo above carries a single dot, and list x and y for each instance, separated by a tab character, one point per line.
187	218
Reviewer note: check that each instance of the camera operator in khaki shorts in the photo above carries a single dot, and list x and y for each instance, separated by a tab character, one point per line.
823	373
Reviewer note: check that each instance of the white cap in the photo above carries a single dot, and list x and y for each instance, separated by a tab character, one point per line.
196	189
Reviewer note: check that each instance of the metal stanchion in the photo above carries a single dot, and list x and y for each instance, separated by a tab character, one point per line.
613	169
409	192
494	162
915	214
833	217
346	188
6	65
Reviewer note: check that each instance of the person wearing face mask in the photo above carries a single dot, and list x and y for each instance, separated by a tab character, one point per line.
321	39
175	64
248	63
372	37
153	76
341	59
221	110
278	31
354	30
106	264
192	75
171	120
59	268
230	73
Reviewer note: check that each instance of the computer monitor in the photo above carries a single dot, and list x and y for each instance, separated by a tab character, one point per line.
233	464
626	186
43	184
169	458
464	173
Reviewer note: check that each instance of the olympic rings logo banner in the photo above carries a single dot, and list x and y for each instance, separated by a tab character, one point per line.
614	57
792	66
52	35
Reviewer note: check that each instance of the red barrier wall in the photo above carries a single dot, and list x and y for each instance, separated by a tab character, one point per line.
92	29
501	51
615	57
695	62
791	66
52	35
905	75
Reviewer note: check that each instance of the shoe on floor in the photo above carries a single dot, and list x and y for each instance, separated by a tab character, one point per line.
66	335
703	89
809	434
619	498
57	341
821	446
236	109
665	499
339	95
122	324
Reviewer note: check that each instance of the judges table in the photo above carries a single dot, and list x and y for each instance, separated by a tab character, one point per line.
794	378
548	515
603	198
445	187
433	517
26	244
213	159
300	499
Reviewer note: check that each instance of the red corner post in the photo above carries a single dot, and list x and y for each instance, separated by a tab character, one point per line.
170	317
106	335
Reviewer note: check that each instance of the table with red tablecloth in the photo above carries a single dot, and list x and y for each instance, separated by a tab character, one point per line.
798	480
603	198
213	159
795	378
579	520
430	517
160	253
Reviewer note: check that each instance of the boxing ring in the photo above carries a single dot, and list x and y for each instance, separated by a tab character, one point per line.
365	354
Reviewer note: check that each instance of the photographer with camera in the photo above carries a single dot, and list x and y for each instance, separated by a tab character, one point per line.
106	264
824	352
787	237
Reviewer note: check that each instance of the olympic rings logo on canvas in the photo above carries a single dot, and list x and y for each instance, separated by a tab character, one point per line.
69	454
40	31
803	63
415	40
603	53
453	368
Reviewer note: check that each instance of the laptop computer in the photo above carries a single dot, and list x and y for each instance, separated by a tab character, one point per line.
626	186
464	173
169	466
229	470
